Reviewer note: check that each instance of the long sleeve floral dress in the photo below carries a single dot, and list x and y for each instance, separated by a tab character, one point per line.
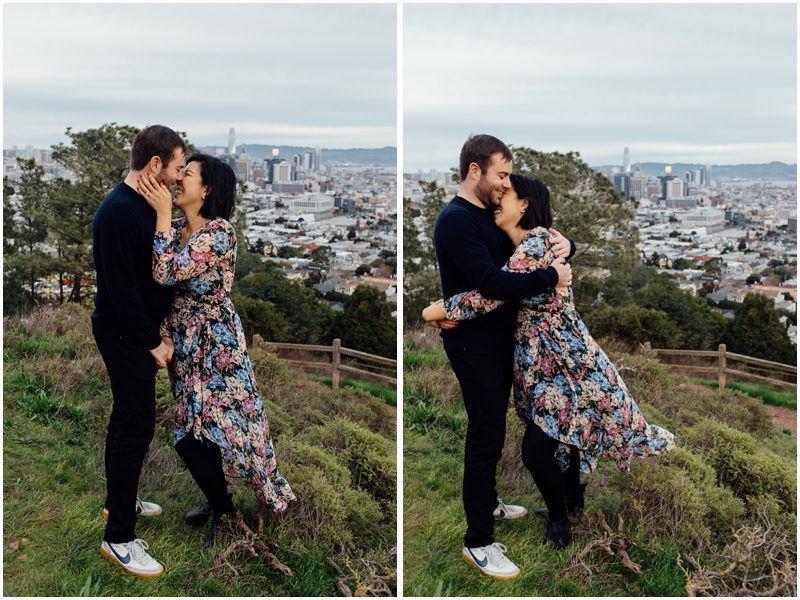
211	374
563	381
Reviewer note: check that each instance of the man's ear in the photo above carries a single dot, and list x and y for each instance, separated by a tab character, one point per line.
474	171
155	165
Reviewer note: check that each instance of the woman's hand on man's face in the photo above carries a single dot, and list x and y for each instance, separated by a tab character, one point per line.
156	193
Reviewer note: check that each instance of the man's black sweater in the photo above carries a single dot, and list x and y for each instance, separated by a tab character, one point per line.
128	302
471	250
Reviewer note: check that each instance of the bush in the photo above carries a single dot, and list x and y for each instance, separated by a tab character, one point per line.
742	464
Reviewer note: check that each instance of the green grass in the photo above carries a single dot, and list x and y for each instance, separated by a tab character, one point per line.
769	396
689	503
389	395
336	448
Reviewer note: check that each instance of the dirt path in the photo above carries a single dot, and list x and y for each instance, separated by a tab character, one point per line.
784	418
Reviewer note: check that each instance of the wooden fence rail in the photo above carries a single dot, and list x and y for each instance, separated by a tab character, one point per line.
335	367
722	370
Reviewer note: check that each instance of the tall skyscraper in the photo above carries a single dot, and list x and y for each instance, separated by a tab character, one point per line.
318	159
626	161
708	174
231	142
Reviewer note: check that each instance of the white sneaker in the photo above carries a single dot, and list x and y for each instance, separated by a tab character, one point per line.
133	557
143	509
509	512
492	561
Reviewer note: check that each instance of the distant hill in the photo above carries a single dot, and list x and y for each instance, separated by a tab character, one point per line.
773	170
386	156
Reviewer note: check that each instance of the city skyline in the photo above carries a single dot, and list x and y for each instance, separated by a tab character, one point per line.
703	83
175	70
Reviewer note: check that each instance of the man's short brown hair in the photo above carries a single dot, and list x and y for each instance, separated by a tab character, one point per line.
155	140
479	149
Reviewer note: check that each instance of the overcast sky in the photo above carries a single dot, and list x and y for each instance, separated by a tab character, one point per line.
675	83
302	75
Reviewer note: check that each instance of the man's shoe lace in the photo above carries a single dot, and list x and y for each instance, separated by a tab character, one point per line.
496	553
138	548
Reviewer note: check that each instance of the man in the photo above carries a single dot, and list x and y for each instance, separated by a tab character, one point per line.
129	306
471	250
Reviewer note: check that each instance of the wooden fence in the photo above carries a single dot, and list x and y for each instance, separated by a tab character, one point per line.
335	367
722	370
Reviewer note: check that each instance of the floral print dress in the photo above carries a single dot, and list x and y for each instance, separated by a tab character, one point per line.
563	381
211	374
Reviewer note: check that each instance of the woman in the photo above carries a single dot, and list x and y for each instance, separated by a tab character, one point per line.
220	426
573	403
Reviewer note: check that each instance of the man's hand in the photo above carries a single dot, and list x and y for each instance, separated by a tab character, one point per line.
162	354
170	346
564	272
442	324
559	244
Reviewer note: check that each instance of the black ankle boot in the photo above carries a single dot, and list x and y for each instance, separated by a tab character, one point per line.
197	517
558	533
215	523
574	499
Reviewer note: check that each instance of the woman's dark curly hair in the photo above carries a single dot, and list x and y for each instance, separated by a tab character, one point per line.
538	213
221	181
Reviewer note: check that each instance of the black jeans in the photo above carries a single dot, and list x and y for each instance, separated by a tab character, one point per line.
204	461
485	374
538	455
132	371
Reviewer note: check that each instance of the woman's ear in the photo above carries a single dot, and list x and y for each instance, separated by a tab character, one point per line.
206	192
523	206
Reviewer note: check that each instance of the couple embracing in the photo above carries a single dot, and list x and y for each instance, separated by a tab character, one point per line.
508	318
163	300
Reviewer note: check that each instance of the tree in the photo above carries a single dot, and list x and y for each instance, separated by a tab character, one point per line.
700	328
633	325
421	283
363	270
367	324
262	318
322	256
586	208
309	320
249	262
756	331
99	159
714	266
683	263
753	279
27	263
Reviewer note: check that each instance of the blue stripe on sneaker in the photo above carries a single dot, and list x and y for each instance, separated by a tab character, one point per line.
481	563
125	560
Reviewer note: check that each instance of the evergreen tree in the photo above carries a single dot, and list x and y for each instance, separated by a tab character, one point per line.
28	262
367	324
757	331
633	325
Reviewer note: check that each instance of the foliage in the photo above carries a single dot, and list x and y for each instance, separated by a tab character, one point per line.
367	323
309	321
756	331
586	208
261	317
634	325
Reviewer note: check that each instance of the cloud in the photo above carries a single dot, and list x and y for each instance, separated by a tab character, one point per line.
326	67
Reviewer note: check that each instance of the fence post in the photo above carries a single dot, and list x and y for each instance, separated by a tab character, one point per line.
723	380
257	341
335	377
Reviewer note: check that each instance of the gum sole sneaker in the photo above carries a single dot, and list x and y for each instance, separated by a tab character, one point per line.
509	512
133	557
491	560
143	509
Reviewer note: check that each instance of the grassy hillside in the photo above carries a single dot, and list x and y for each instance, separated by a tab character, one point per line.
725	497
337	449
